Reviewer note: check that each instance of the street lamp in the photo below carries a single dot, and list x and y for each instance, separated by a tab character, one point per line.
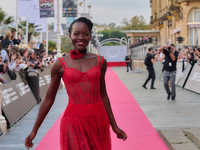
89	6
169	17
160	25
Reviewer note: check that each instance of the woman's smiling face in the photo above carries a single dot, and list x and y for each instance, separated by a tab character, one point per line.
80	36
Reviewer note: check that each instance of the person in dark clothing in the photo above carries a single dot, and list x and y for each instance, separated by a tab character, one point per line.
150	60
15	41
42	45
128	62
169	74
1	37
6	42
191	59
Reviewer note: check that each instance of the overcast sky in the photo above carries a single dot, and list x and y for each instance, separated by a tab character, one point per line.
102	11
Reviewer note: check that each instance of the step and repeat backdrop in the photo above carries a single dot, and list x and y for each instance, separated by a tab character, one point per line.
17	96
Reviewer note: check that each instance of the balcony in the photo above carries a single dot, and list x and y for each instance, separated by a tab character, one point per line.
176	11
180	1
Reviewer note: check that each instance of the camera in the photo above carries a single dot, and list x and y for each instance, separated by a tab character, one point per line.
1	68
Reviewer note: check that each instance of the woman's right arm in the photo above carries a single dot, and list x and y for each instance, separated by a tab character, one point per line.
47	102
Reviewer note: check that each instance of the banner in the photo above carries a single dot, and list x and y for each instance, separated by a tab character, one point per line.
25	8
17	99
41	26
46	8
193	83
35	15
182	76
69	8
114	53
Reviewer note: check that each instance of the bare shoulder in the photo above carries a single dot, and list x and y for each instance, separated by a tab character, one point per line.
66	57
56	68
92	55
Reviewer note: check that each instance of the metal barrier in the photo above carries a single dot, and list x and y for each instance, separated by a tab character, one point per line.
33	82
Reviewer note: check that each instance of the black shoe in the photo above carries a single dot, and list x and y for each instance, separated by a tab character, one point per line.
173	98
168	97
153	88
126	71
144	87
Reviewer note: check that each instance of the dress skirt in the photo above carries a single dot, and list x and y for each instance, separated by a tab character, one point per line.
85	127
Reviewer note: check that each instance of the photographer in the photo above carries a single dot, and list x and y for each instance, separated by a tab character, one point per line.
149	60
15	41
169	73
37	62
191	59
16	62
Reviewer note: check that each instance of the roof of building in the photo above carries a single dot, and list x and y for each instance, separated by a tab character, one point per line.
141	31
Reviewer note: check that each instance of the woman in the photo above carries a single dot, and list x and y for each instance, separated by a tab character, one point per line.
86	120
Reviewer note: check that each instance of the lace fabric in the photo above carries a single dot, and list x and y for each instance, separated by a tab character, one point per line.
85	123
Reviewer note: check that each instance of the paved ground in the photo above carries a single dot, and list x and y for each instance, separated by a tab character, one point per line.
163	114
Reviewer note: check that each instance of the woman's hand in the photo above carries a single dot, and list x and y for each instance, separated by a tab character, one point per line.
120	133
28	140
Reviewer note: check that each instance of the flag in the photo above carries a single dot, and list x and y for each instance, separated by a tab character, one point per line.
46	8
35	15
25	8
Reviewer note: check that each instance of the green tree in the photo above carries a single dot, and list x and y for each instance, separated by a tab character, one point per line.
135	23
52	45
66	44
111	34
4	20
31	29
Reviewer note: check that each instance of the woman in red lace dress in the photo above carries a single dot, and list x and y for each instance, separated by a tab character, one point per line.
86	122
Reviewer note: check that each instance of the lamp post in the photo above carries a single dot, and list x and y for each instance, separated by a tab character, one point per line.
16	26
89	6
58	32
169	17
84	6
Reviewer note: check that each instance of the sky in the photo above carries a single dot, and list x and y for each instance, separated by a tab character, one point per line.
102	11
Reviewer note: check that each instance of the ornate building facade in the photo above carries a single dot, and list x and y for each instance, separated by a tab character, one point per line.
176	20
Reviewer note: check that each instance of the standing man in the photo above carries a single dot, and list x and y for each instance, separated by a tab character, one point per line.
169	73
128	62
15	41
42	45
149	60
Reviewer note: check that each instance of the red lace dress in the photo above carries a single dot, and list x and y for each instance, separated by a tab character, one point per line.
85	123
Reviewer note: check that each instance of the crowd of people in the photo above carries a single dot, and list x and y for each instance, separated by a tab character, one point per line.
187	54
14	59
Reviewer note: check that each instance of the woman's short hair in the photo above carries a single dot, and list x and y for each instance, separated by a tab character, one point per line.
84	20
8	34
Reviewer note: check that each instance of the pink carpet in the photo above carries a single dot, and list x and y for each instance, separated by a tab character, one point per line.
129	116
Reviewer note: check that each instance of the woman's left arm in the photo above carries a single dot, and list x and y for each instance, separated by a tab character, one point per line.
120	133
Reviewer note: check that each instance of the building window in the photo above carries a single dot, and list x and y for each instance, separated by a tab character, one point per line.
194	25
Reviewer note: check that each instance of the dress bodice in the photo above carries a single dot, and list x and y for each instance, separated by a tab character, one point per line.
82	87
